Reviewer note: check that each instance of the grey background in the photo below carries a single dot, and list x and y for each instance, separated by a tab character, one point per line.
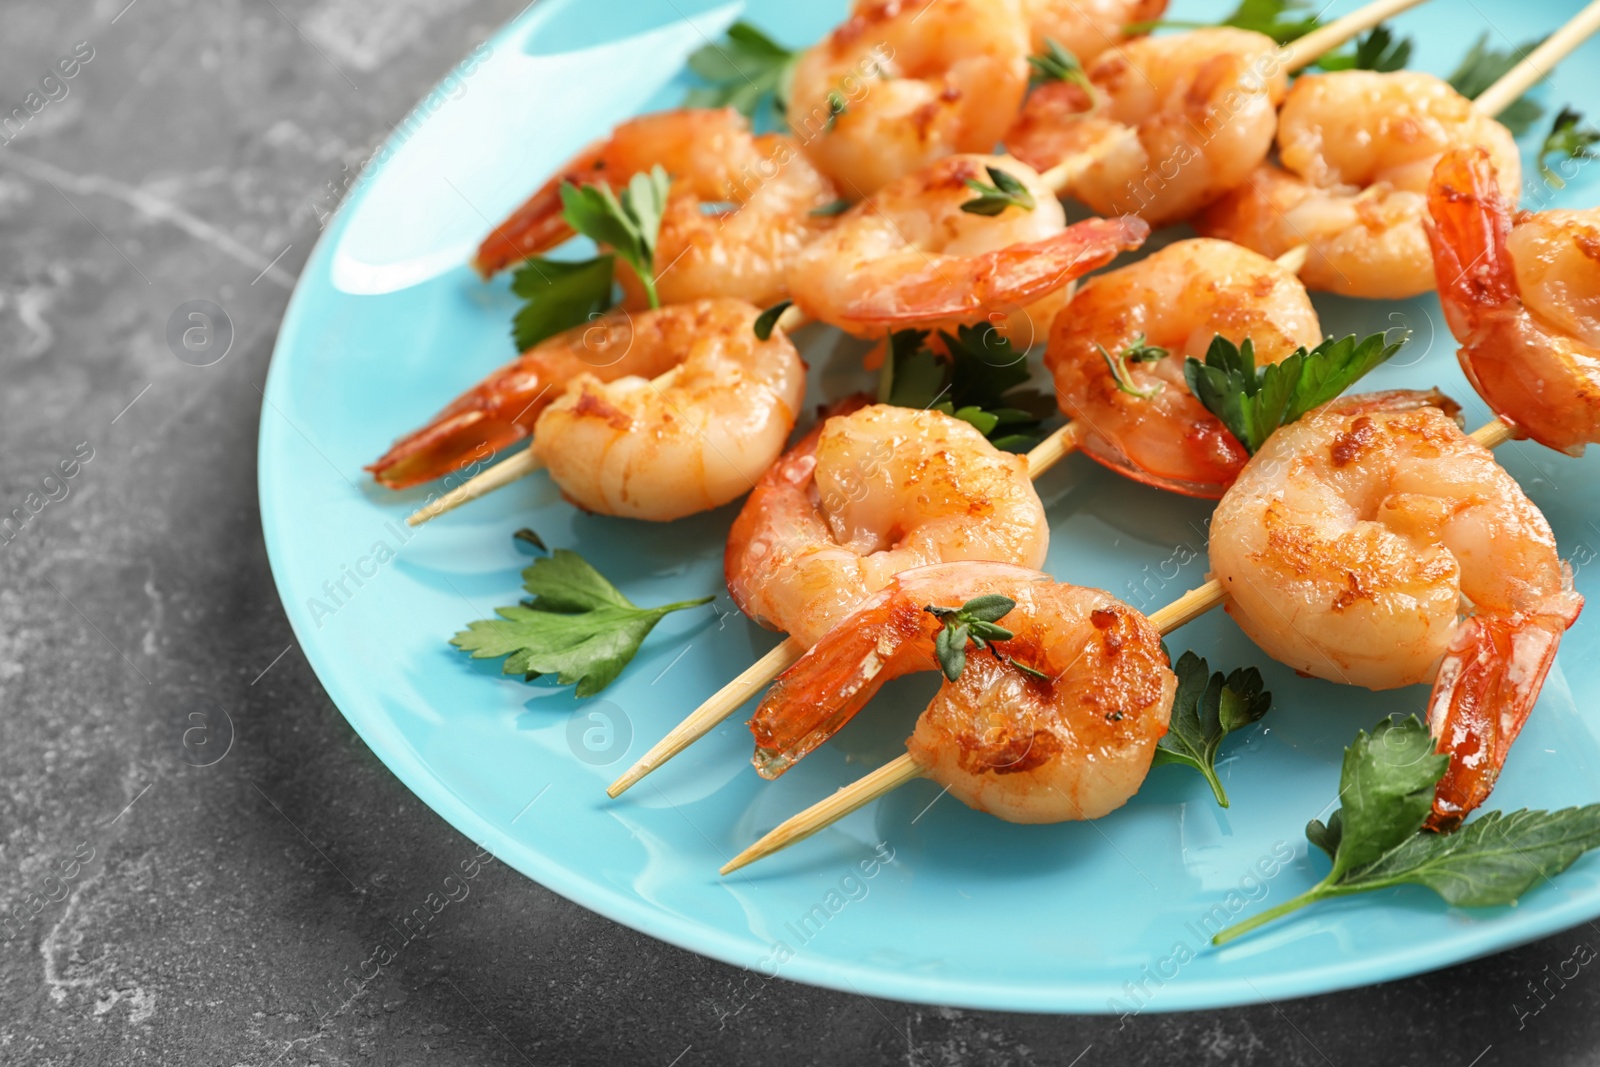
223	904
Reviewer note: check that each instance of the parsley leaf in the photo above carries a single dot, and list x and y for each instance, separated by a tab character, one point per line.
1282	20
1138	352
1253	401
1568	140
1376	839
769	318
559	295
1006	192
629	223
1207	708
745	70
578	626
1378	49
973	621
978	384
1057	64
1482	67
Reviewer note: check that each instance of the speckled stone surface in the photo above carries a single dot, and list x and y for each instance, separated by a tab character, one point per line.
167	912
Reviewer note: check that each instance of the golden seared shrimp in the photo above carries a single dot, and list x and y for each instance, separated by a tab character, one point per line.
694	437
738	210
868	494
1372	542
909	256
1173	122
1356	151
1072	741
1522	295
503	408
1148	425
1086	27
917	81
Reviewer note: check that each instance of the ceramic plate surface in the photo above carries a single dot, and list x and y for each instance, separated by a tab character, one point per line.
387	324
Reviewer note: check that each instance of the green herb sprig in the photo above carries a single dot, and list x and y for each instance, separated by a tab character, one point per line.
1207	708
1378	50
1139	351
1568	139
1482	66
981	383
830	209
561	294
1376	839
1006	192
577	626
973	621
1057	64
745	70
1253	401
1289	20
768	319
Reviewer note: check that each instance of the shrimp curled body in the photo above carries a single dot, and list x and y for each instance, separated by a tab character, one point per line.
1522	295
1374	543
869	494
1357	150
1178	299
692	438
1074	744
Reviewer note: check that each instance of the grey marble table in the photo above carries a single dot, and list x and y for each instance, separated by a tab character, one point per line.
166	912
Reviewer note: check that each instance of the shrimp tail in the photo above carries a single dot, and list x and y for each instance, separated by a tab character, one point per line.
497	412
1488	683
814	699
1469	222
1017	275
538	225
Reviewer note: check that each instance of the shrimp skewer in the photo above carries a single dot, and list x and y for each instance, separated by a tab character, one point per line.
1237	292
1522	294
1069	737
1356	152
1489	673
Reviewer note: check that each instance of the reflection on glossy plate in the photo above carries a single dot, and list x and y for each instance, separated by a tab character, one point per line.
387	324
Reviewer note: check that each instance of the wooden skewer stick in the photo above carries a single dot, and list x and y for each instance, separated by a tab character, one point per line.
1536	65
731	697
1298	54
524	463
903	769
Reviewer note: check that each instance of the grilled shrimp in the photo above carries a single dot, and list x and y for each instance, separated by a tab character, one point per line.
692	438
1172	123
910	256
902	83
1086	27
865	495
1522	295
1148	425
1075	743
738	210
1356	151
1374	543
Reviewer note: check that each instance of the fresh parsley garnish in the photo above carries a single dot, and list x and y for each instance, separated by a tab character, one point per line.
1376	839
1253	401
1282	20
1138	352
973	621
1482	67
1207	708
769	318
1378	50
1006	192
836	106
577	626
628	223
559	295
746	69
828	210
1056	64
1569	140
979	383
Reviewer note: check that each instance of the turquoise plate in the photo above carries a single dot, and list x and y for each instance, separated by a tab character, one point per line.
915	897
